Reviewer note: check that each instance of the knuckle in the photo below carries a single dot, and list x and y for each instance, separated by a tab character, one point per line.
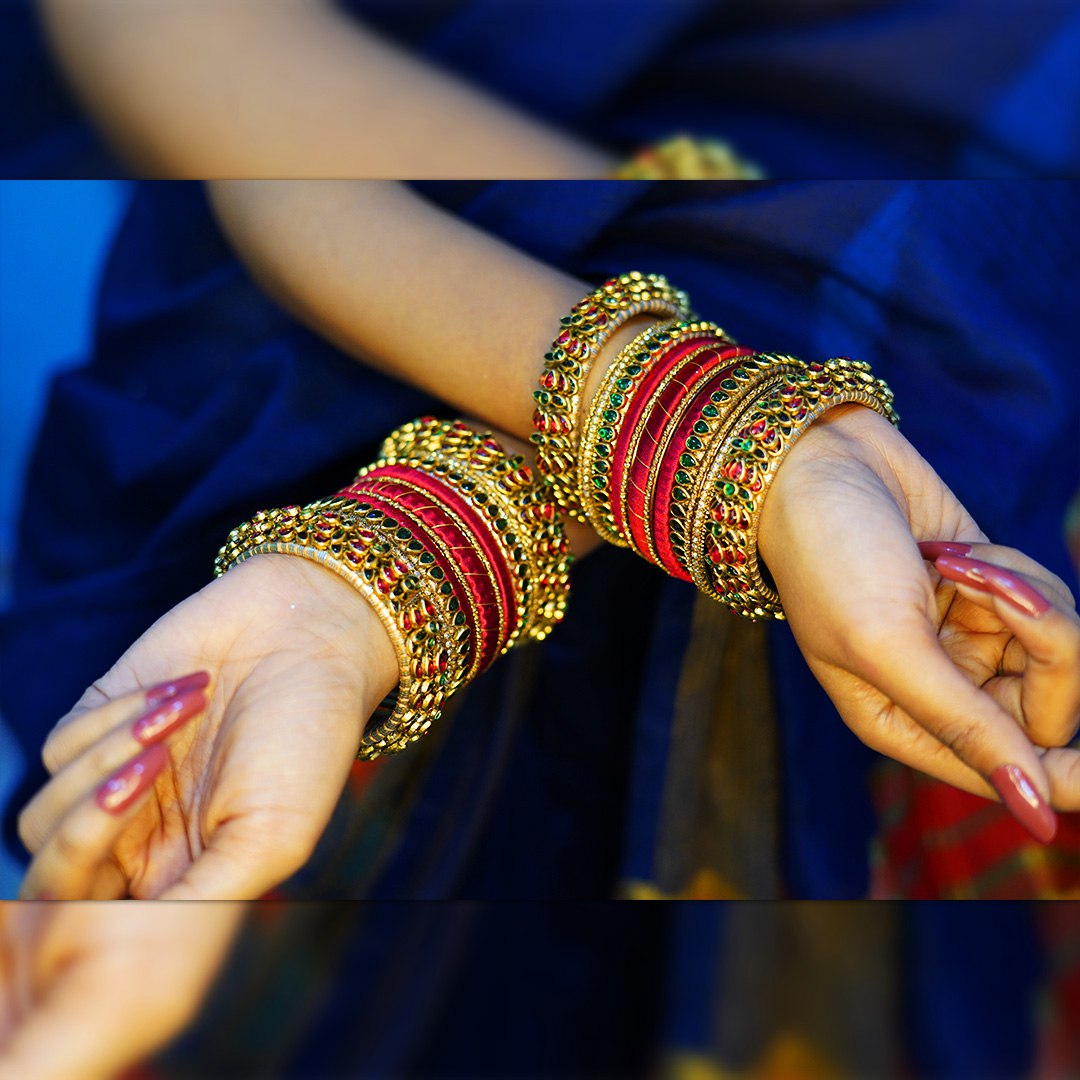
962	737
52	754
71	840
27	829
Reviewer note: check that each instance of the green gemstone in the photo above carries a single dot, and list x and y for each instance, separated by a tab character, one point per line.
480	497
403	534
459	619
602	466
598	482
741	373
728	489
682	477
453	604
624	384
694	443
445	588
710	411
602	449
633	370
701	427
427	558
616	399
541	397
501	523
414	545
687	461
610	415
437	573
718	396
678	495
606	433
729	384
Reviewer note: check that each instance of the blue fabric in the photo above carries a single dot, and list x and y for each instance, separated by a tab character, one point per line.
837	88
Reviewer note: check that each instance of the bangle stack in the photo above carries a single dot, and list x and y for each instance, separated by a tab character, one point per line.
582	333
681	442
453	544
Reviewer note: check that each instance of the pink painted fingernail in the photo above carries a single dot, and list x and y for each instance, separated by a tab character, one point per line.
1024	802
162	720
931	549
197	680
995	580
127	784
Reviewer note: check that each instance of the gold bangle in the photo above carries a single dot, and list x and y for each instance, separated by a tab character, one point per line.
583	333
684	157
750	459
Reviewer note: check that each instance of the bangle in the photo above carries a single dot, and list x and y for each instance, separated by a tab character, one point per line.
727	565
602	466
452	543
684	157
583	333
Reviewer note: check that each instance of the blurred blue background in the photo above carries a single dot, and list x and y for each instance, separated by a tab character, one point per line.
54	236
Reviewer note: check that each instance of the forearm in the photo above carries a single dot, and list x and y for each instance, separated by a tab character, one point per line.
409	290
286	88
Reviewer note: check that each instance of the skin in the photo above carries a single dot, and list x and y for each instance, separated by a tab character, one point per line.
78	997
255	101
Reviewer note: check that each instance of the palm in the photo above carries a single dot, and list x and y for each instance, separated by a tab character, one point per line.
918	669
254	780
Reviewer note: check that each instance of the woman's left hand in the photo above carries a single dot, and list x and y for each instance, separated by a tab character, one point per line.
958	658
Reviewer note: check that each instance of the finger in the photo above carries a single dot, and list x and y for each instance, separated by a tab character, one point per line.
909	666
1049	636
235	866
83	726
67	864
84	772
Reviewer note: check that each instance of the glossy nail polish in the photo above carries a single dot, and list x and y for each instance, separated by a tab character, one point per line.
128	783
995	580
931	549
163	719
197	680
1024	802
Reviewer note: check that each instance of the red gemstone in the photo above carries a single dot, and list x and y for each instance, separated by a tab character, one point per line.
564	337
757	428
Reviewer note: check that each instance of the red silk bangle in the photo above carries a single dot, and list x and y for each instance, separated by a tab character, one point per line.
671	463
687	375
495	614
649	381
479	530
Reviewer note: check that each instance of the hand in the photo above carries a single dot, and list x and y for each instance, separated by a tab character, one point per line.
954	680
235	799
87	990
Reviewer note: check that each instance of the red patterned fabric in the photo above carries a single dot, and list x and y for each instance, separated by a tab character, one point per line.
936	842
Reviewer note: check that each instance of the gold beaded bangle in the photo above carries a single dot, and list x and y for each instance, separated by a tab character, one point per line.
583	333
608	411
748	461
369	549
684	157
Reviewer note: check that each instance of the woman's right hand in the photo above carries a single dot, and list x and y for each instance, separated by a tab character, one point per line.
235	799
87	990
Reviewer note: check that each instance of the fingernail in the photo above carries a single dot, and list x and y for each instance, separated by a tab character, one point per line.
197	680
995	580
161	720
128	783
931	549
1024	802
